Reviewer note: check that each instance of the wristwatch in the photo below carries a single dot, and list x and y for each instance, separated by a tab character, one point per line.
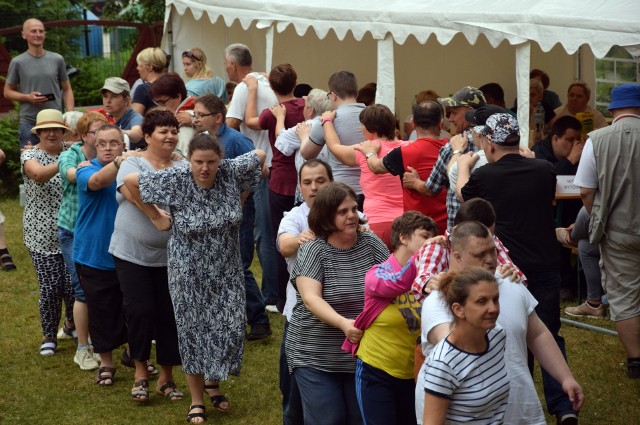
369	155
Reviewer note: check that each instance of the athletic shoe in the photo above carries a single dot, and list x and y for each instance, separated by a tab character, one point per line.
65	333
84	359
567	419
585	310
272	309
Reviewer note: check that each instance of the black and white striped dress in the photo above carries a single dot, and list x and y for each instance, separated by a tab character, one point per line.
310	342
477	384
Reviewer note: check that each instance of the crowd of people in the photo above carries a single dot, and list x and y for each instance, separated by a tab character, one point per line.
419	276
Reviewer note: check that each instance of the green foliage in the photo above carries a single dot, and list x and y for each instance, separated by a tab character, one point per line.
148	11
93	71
10	176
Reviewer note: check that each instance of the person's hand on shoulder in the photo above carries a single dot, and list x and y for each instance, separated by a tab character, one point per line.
468	160
251	81
278	111
460	142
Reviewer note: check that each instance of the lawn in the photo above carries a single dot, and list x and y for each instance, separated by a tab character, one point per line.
53	390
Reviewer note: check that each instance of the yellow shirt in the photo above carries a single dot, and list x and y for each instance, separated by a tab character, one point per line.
390	342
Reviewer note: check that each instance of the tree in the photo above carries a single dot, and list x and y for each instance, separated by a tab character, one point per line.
148	11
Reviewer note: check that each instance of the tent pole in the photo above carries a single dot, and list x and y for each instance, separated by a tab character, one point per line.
523	66
269	48
386	90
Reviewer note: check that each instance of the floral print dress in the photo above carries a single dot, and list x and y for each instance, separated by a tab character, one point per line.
204	266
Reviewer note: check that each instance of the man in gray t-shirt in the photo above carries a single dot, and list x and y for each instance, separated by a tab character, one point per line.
343	90
38	80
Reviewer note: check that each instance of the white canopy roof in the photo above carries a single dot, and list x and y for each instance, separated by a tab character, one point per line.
596	23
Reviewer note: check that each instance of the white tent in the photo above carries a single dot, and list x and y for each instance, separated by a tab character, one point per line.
411	45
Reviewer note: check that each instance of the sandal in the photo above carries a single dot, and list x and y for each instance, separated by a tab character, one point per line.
173	395
140	390
192	416
48	347
217	399
6	261
105	376
127	361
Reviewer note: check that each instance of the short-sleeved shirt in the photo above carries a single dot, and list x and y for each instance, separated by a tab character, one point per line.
43	74
439	178
40	220
233	142
311	342
130	119
69	206
216	85
283	178
477	385
135	239
421	155
96	216
238	107
347	126
141	96
587	175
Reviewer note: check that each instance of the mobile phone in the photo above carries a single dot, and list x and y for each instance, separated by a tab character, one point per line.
49	96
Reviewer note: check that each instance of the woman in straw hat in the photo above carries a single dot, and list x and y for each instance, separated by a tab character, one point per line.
43	188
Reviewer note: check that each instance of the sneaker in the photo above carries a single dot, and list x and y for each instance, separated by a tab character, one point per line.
633	369
95	355
272	308
585	309
567	419
259	331
84	359
65	332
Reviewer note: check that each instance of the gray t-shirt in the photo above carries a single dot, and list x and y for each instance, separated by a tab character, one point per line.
43	74
347	125
135	238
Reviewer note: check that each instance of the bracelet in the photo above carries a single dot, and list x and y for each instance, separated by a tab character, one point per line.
325	120
116	163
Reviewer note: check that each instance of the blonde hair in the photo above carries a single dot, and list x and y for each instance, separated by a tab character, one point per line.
199	59
153	57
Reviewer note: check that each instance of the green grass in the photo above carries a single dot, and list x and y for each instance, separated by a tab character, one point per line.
52	390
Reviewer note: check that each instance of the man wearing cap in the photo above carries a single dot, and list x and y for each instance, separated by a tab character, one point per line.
522	191
609	180
116	99
464	100
38	80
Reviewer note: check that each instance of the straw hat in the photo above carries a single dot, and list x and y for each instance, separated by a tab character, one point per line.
49	118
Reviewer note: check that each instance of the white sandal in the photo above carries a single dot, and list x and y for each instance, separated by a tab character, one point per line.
48	347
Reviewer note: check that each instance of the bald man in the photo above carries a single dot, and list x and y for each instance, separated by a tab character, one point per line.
38	80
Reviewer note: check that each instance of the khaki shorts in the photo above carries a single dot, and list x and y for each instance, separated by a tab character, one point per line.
620	266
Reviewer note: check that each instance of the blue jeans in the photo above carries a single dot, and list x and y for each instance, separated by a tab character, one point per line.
255	303
66	246
265	242
545	288
291	401
25	135
327	398
384	399
589	256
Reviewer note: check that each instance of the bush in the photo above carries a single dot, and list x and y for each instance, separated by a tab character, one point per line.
10	176
93	71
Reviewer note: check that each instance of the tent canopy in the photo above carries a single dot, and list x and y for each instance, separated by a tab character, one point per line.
372	33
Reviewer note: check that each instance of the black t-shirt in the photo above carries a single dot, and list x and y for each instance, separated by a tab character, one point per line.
521	191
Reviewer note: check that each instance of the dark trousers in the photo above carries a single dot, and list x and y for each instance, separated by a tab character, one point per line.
291	401
104	301
279	204
255	302
148	311
545	288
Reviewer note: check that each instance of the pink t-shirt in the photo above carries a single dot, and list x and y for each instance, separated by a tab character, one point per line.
383	200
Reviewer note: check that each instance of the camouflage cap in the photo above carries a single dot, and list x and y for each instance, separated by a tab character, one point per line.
466	96
498	128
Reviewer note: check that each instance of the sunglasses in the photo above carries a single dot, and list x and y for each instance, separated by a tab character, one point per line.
190	55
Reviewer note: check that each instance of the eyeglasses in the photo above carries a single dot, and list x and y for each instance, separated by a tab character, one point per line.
103	146
200	116
190	55
329	95
161	102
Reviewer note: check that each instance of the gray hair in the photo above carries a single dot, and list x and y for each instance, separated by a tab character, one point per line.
238	53
317	99
71	118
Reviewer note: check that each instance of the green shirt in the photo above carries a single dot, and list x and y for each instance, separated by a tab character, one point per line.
69	207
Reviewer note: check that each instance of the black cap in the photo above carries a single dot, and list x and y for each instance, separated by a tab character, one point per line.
479	116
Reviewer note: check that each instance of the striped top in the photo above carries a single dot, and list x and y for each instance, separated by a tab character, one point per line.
310	342
69	207
477	385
